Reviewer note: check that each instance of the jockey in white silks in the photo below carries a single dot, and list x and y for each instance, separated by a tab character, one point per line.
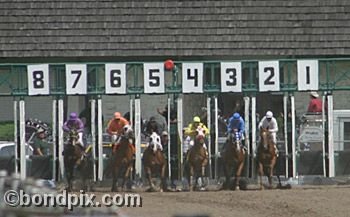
268	122
155	142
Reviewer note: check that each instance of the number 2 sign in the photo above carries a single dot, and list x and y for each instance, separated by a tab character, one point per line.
76	79
38	79
269	76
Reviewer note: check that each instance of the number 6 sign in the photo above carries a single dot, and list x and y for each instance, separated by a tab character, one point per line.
76	79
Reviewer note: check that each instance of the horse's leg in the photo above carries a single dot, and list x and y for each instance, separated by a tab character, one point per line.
261	173
163	186
126	175
190	177
272	165
238	174
115	179
227	167
149	177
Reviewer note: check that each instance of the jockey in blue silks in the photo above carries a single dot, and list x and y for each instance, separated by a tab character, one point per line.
236	125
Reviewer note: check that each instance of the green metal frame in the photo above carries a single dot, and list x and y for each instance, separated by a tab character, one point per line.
334	75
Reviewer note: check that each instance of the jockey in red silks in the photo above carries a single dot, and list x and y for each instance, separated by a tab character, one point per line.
75	123
115	129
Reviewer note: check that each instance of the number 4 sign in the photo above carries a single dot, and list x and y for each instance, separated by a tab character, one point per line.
76	79
38	79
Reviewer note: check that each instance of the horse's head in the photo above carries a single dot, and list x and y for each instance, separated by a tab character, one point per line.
266	138
234	139
73	136
128	133
154	141
200	136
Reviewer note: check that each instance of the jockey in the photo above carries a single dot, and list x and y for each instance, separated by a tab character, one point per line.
192	131
269	123
75	123
115	129
236	124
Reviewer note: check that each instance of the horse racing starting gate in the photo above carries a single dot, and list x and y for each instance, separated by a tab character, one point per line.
257	83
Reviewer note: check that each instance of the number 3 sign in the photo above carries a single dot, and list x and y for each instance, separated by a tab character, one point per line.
76	79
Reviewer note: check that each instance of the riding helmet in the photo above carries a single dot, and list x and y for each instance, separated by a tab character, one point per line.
236	116
73	116
269	114
196	119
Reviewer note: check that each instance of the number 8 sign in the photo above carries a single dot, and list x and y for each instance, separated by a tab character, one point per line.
76	79
38	79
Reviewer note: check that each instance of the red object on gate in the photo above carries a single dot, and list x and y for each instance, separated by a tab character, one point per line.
169	65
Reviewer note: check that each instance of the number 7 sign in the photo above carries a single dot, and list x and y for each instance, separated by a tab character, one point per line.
76	79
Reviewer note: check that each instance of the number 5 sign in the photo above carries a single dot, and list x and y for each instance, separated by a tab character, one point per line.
76	79
38	79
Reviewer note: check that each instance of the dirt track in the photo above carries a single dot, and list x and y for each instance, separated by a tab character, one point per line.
308	201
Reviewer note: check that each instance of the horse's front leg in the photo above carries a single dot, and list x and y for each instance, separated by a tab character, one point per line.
272	165
238	175
149	177
227	173
190	177
261	173
115	179
69	175
163	183
126	175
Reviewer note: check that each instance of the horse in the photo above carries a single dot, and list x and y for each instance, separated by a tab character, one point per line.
73	157
197	160
153	159
267	156
233	155
122	158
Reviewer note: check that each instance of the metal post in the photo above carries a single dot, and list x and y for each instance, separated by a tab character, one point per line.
169	138
60	138
131	112
324	139
253	135
99	138
330	137
54	139
93	137
216	142
285	114
138	166
294	157
209	137
22	139
15	116
247	132
180	133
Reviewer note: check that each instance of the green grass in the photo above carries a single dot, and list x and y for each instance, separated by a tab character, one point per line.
7	131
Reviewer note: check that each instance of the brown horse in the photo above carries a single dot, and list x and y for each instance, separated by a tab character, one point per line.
233	155
73	157
153	159
266	156
197	160
122	158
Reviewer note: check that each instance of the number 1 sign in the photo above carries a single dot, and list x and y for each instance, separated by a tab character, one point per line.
307	74
76	79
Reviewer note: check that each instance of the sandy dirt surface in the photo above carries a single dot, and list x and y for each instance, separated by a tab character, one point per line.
308	201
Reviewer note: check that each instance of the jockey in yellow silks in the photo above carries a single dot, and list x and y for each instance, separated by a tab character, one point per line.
193	129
